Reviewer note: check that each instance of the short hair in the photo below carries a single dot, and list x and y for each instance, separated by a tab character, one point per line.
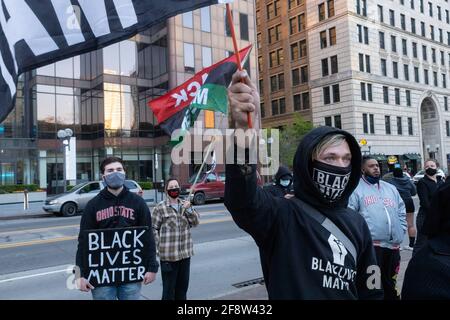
331	140
109	160
168	181
432	160
367	158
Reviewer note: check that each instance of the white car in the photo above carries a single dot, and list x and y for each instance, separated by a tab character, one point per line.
419	175
70	203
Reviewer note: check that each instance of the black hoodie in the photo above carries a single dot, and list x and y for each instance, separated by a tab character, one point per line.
107	211
277	189
302	261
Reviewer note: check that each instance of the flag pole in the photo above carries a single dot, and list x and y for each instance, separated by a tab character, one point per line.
236	51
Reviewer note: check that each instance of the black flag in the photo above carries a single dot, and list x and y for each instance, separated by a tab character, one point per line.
39	32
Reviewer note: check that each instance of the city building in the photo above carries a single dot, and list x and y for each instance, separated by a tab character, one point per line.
283	61
381	70
102	96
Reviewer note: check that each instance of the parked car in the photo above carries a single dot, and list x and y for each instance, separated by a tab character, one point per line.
419	175
70	203
209	186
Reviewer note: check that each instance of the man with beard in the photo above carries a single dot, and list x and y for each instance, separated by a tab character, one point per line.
384	210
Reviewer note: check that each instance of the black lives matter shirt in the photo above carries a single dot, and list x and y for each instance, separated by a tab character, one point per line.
107	211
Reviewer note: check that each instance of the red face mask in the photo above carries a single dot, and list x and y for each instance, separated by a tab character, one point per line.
174	193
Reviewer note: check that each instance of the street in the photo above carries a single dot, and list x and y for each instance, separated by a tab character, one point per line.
35	255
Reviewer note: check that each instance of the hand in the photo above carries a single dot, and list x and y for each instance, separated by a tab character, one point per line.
187	204
243	97
84	285
149	277
288	196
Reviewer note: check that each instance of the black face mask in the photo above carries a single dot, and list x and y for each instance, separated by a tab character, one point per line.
431	171
330	180
174	193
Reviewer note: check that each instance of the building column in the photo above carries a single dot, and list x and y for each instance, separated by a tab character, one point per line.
43	169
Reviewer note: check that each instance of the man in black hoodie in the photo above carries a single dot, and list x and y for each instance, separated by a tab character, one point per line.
316	247
282	185
129	210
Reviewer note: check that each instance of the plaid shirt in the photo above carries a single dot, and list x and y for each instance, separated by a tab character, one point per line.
172	231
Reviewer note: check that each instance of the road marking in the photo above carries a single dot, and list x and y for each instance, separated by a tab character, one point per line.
32	276
60	239
24	231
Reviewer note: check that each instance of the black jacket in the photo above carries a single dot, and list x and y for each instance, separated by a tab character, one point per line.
277	189
107	211
300	256
425	190
404	186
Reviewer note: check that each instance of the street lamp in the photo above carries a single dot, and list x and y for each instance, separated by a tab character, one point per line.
64	136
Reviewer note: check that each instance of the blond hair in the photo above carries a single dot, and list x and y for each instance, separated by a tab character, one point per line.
332	140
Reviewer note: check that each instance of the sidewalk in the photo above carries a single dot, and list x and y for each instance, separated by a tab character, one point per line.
259	292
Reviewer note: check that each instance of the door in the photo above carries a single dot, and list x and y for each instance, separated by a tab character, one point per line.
213	186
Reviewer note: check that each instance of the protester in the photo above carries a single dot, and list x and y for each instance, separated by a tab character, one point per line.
384	210
282	185
172	221
316	248
428	273
426	187
113	197
407	190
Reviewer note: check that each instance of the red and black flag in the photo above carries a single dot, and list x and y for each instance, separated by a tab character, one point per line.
207	90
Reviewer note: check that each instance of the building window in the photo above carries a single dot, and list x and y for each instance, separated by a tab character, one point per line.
408	98
189	58
326	95
444	81
435	79
361	62
332	36
365	123
263	111
275	33
372	123
293	26
425	75
324	67
410	126
383	68
337	122
392	18
297	102
188	20
367	64
328	122
421	6
442	58
275	109
387	124
416	74
369	92
336	93
385	94
243	22
445	103
439	13
381	35
301	22
330	8
447	126
321	8
393	44
412	4
282	103
295	51
422	29
430	6
424	53
399	126
295	77
260	64
413	25
305	100
303	51
277	82
360	33
404	47
363	91
380	13
304	74
366	35
364	62
406	72
395	69
261	87
334	64
323	39
205	19
397	96
414	48
276	58
402	21
433	55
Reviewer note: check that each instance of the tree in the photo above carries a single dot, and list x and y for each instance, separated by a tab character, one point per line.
290	137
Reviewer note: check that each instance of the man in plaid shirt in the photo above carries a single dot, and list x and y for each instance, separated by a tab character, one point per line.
172	220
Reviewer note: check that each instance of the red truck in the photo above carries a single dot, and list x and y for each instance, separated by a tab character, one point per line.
208	187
